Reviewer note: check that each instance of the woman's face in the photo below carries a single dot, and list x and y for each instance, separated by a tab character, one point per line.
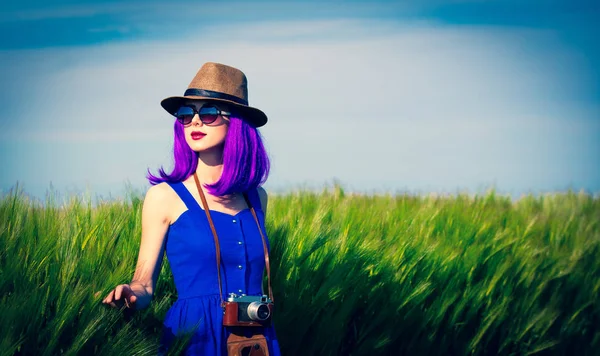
201	136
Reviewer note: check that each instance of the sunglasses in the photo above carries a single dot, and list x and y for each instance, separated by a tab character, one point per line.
208	113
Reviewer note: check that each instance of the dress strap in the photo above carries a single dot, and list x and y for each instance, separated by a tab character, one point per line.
254	199
186	196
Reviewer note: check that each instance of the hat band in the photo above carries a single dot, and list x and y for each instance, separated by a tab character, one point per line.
214	95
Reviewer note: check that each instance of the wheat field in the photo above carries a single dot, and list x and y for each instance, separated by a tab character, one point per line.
352	275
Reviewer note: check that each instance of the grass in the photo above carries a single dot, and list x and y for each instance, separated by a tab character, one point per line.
352	275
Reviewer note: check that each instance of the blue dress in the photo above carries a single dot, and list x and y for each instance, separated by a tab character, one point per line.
190	249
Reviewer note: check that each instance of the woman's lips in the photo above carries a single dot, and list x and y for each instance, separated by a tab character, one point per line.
197	135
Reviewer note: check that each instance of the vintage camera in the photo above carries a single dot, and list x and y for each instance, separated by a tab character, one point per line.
247	310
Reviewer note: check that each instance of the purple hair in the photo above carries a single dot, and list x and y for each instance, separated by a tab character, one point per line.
245	160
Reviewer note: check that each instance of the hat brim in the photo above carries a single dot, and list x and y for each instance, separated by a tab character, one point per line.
252	115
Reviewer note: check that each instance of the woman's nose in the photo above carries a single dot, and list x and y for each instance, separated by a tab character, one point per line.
196	120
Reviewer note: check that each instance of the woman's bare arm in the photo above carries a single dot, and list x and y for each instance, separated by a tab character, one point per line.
155	224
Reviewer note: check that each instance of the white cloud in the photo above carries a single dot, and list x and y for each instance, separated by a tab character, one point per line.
81	136
371	103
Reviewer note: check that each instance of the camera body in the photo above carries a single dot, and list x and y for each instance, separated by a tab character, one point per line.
247	310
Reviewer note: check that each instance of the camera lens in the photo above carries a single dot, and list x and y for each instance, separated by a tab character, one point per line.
258	311
263	312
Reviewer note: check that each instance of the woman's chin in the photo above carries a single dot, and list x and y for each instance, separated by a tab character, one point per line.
199	148
197	145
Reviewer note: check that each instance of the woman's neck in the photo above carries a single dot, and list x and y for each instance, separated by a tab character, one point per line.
210	166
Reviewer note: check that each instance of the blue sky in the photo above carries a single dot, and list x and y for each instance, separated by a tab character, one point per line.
418	96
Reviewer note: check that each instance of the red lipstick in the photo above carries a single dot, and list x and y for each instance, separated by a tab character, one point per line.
196	135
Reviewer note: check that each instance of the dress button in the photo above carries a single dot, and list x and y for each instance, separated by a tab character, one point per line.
233	220
240	266
240	243
240	291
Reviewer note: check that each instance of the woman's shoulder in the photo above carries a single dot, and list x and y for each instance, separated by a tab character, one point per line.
163	199
158	189
160	193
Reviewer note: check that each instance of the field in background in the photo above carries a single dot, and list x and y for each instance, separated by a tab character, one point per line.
353	275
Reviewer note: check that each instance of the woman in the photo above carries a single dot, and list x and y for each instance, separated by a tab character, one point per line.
219	155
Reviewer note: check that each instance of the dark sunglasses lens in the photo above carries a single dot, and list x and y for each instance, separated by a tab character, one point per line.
185	115
208	114
208	118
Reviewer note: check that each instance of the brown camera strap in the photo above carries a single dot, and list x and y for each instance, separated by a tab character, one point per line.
218	248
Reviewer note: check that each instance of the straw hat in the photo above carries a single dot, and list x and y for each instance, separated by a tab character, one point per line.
220	83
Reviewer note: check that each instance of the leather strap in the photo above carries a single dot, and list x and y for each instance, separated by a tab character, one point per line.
218	248
212	227
266	250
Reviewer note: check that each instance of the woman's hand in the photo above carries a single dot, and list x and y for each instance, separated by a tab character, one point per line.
121	295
